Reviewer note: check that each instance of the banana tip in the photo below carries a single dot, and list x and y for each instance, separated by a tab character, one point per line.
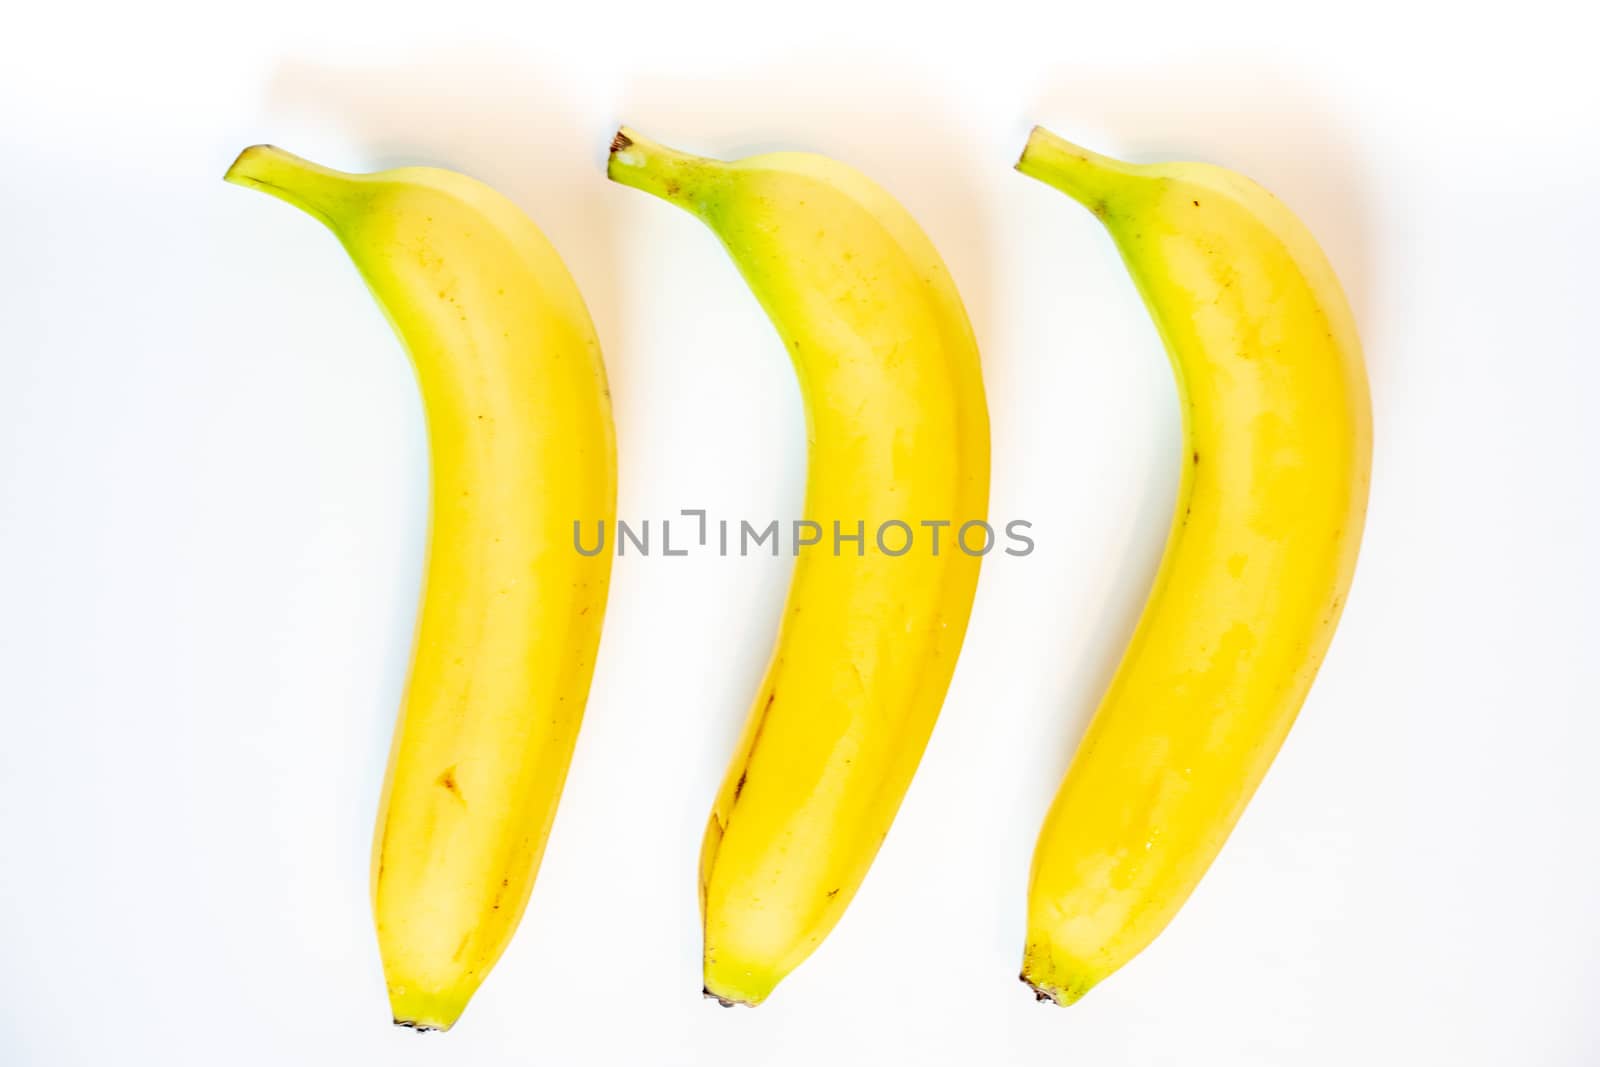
1046	995
724	1001
421	1028
620	141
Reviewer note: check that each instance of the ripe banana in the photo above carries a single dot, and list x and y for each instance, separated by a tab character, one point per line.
522	446
898	431
1276	464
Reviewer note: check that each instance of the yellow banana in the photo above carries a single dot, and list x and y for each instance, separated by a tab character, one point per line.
898	432
1276	464
521	447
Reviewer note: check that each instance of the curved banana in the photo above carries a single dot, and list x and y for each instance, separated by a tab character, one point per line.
1277	457
521	445
898	431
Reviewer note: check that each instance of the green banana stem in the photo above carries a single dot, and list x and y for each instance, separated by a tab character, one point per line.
676	177
1087	177
319	191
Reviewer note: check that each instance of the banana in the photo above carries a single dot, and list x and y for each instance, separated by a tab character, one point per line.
898	431
521	446
1262	549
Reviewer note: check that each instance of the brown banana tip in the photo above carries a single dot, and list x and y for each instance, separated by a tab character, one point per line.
1040	993
619	142
421	1028
724	1001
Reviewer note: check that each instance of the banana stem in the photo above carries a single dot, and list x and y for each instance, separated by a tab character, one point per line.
317	190
676	177
1087	177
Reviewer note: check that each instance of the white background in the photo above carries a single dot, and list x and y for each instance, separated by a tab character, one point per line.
212	484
